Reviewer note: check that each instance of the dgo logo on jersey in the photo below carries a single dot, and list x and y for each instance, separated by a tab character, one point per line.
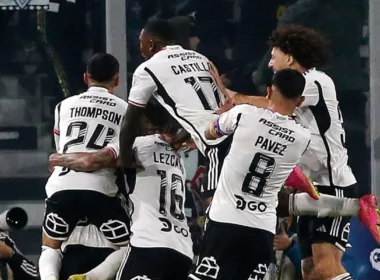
375	259
242	204
208	268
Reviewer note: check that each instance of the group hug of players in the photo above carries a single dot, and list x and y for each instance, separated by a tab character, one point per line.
118	177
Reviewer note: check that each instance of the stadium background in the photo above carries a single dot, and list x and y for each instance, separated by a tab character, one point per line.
44	46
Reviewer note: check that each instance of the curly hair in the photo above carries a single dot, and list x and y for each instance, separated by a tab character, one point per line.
306	45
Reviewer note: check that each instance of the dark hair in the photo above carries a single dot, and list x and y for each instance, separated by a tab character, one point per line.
102	67
157	115
183	29
306	45
161	29
290	83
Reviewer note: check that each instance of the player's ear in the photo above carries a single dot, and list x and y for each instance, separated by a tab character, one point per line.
117	81
300	101
290	60
85	78
269	92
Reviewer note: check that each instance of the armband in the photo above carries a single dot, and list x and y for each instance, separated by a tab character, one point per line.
215	130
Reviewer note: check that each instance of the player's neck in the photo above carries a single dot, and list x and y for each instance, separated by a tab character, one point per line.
299	68
107	87
281	107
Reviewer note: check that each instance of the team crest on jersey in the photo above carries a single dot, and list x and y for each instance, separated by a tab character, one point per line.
375	259
208	268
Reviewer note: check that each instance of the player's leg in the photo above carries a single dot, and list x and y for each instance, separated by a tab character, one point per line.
177	267
301	204
323	241
59	221
77	259
114	222
143	262
214	158
220	253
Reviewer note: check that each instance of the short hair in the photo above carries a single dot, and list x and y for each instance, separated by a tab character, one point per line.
102	67
156	114
183	29
160	29
306	45
290	83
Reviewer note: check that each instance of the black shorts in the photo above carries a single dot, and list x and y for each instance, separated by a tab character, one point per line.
65	209
233	252
311	229
214	159
78	259
153	264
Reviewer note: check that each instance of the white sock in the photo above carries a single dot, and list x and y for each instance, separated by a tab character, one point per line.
345	276
301	204
49	263
107	269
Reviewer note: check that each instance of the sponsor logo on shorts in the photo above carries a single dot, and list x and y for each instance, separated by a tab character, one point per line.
208	268
56	225
259	272
375	259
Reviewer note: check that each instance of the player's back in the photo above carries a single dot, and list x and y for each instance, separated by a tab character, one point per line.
158	218
265	148
326	160
87	122
185	87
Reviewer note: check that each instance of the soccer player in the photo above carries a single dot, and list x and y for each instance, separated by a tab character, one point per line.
86	122
322	241
180	80
266	146
161	246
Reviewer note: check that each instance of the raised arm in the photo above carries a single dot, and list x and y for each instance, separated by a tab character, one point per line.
238	98
142	89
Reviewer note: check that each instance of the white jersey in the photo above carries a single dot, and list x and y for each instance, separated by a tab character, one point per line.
325	161
180	80
158	200
87	122
88	236
266	146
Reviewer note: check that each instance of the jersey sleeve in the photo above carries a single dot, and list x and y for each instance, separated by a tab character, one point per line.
311	94
142	89
228	121
56	129
114	147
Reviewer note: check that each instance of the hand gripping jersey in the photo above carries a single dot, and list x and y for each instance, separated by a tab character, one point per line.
325	161
265	148
180	80
158	199
87	122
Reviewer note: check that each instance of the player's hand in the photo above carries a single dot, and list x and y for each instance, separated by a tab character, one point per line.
226	106
53	161
281	241
189	146
219	82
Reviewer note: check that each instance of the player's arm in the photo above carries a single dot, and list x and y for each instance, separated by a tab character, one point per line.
235	97
85	162
224	125
56	129
142	89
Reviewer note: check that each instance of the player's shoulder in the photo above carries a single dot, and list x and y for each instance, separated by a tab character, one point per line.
301	130
152	141
313	75
69	100
120	101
